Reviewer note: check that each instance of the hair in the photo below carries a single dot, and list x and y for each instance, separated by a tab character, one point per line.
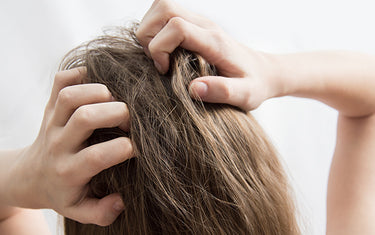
200	168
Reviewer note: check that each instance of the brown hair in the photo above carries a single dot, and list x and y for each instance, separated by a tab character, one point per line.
200	168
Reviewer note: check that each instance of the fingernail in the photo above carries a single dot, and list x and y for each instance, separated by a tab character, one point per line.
198	89
158	66
119	205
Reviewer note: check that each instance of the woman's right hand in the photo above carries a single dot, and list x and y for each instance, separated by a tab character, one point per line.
343	80
55	170
247	76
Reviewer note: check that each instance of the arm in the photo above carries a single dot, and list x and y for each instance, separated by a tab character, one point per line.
343	80
54	171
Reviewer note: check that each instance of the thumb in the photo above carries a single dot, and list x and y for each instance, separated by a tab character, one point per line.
102	212
216	89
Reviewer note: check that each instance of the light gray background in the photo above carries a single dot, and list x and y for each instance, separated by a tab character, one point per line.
36	34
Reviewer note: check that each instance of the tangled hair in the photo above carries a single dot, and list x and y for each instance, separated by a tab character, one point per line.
200	168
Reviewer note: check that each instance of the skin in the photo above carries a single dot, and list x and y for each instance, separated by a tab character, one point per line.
54	171
343	80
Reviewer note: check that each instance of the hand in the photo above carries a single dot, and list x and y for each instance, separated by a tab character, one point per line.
247	76
54	171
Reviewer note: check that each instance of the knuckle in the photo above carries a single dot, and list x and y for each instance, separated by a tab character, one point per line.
59	77
83	115
62	170
153	47
103	91
167	7
227	90
177	23
102	220
140	34
65	96
72	76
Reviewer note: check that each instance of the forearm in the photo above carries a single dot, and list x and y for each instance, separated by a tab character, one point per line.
346	82
342	80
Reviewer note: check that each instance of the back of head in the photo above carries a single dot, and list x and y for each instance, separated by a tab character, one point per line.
199	168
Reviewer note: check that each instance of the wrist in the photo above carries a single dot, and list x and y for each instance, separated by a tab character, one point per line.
279	76
23	189
16	180
8	175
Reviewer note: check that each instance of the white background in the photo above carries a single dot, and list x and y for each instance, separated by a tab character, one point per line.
36	34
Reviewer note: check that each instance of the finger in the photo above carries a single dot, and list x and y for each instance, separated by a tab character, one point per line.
72	97
179	32
93	159
233	91
66	78
89	117
102	212
154	20
159	15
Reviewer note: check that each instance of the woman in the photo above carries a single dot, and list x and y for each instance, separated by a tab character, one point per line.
200	168
343	80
